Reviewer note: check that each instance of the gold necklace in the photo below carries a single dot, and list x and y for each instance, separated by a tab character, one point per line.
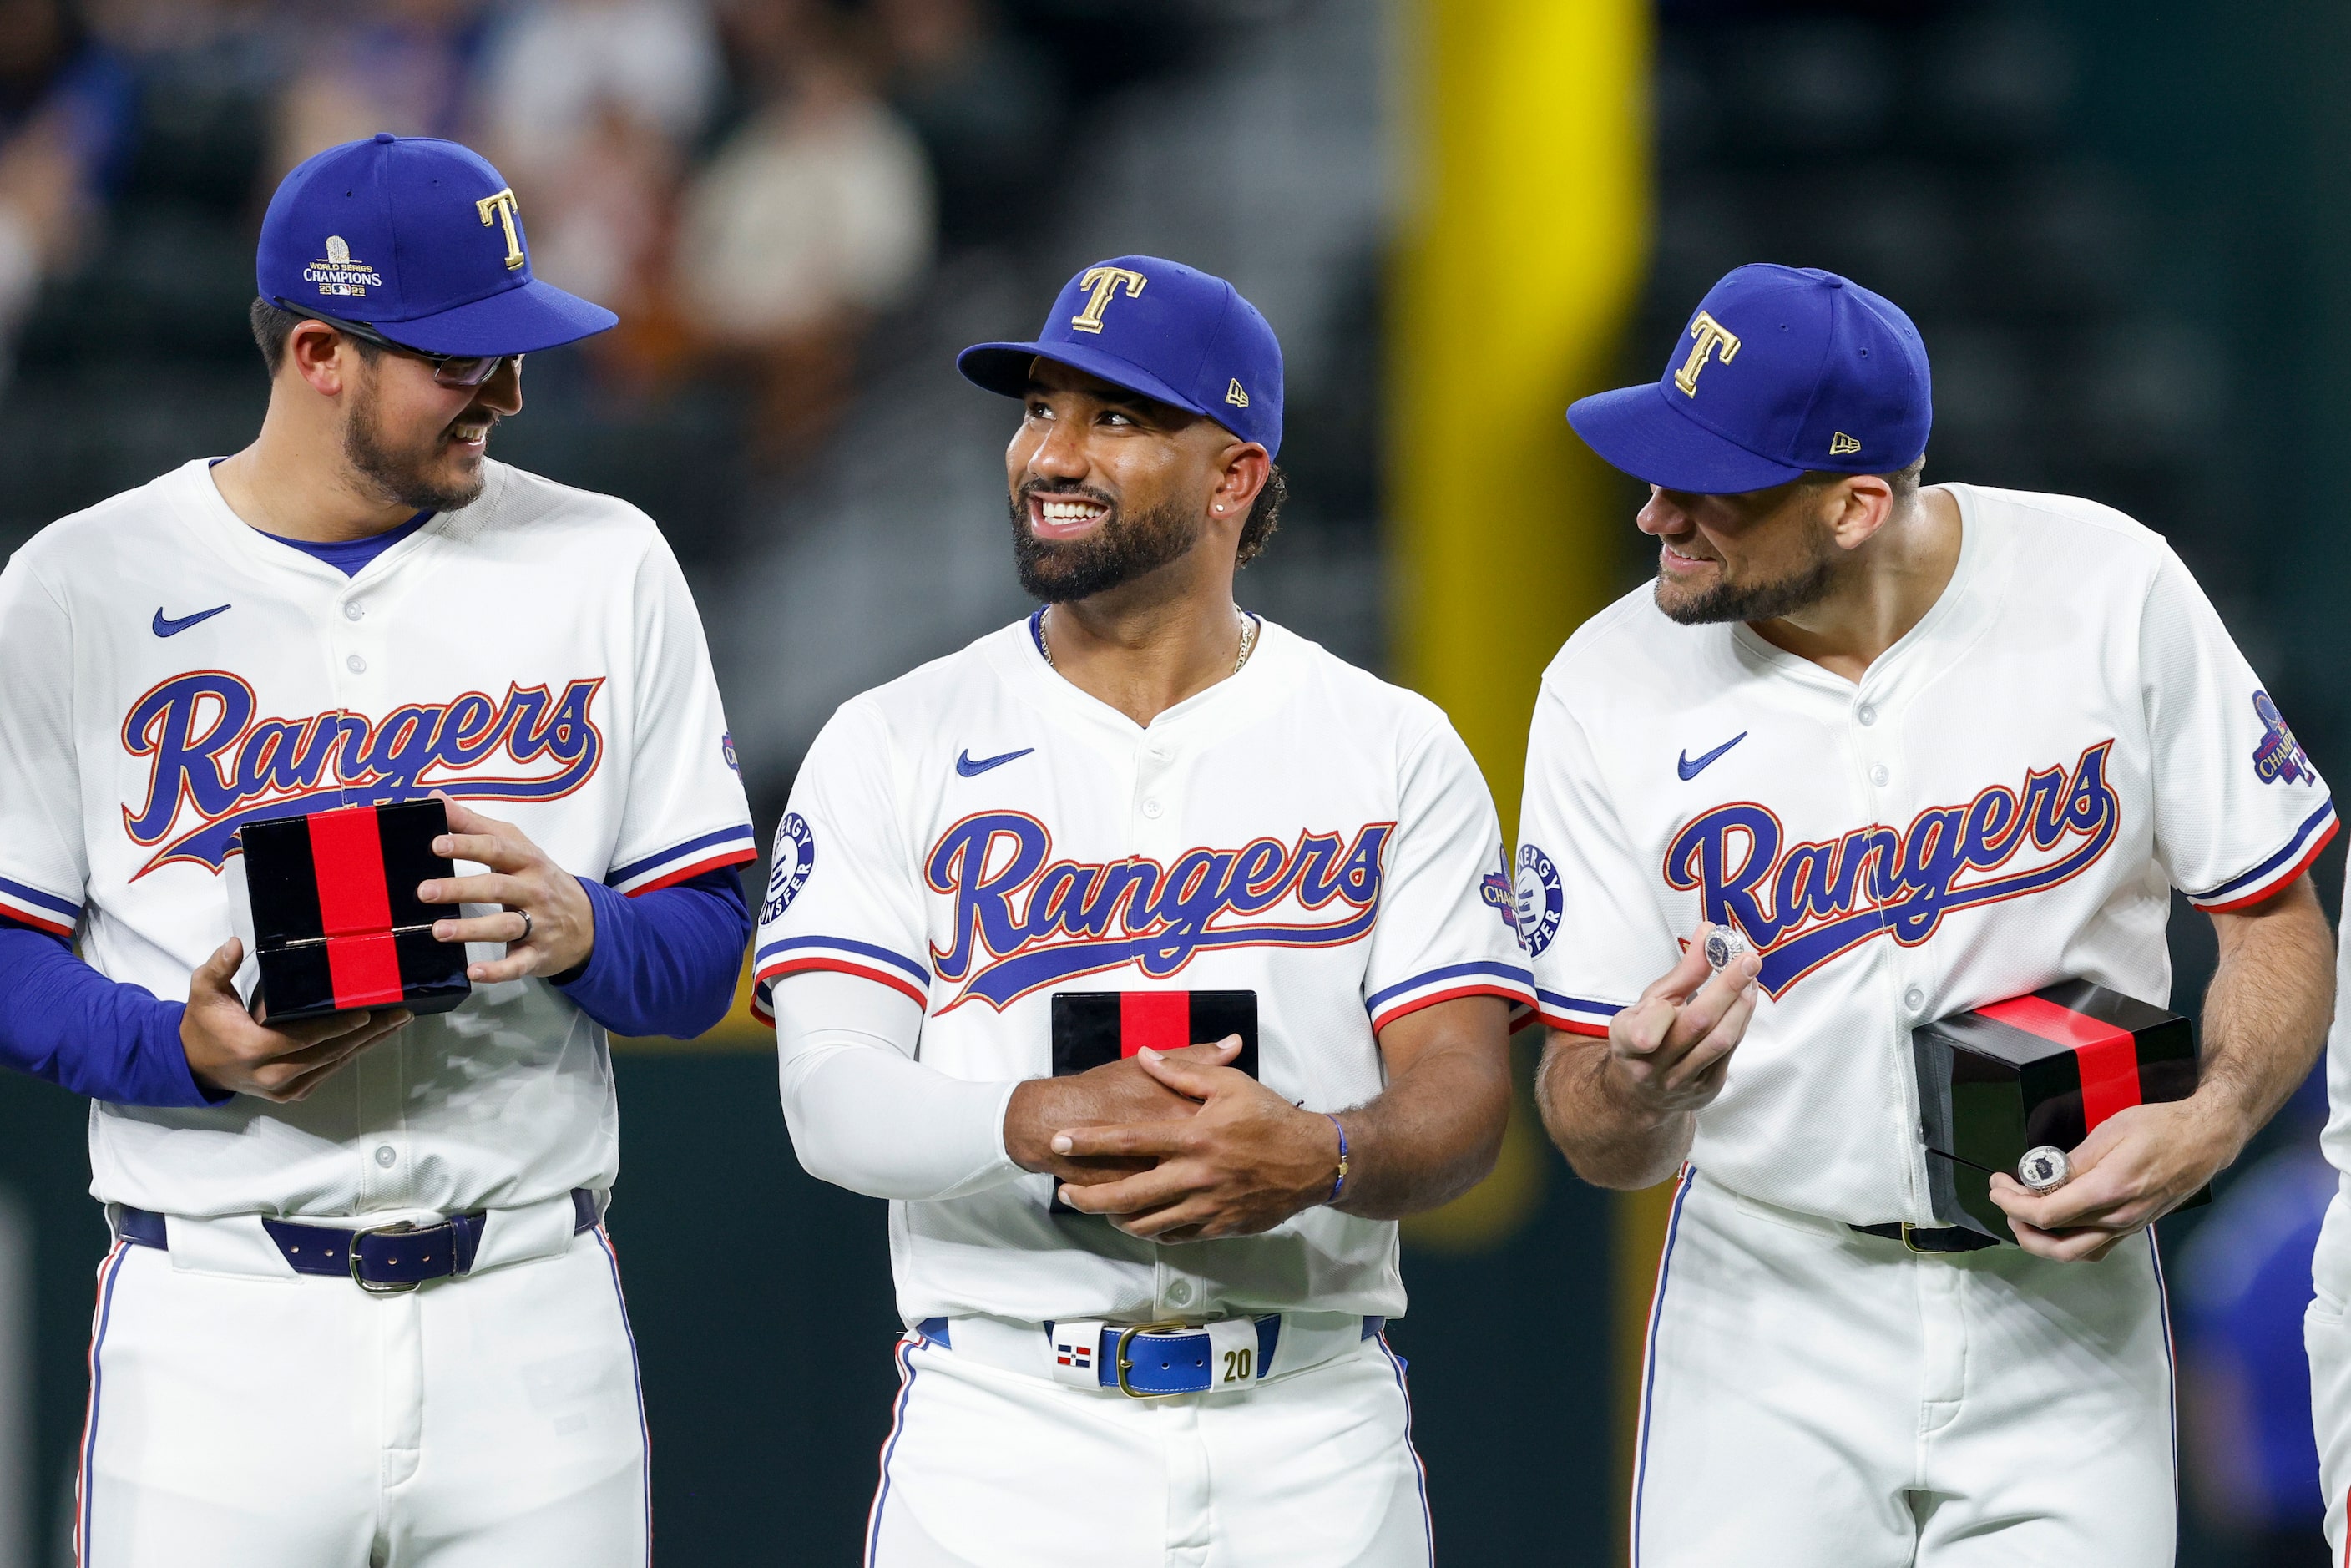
1249	625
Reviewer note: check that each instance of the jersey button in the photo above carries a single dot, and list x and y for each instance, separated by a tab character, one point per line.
384	1155
1914	999
1151	810
1868	715
1878	776
1179	1294
353	610
358	667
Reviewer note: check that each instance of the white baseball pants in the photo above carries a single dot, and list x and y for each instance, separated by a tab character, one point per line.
249	1421
1815	1398
2327	1337
986	1468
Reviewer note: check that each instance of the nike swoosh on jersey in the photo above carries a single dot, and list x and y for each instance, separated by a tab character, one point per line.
164	626
1688	769
970	769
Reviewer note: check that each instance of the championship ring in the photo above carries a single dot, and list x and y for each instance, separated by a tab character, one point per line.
2044	1169
1723	946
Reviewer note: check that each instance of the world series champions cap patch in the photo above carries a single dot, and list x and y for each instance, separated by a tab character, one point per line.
421	239
1169	331
1781	370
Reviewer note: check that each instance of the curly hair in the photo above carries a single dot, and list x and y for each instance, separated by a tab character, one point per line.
1265	514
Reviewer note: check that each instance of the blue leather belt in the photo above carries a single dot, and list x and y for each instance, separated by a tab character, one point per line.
1158	1361
383	1258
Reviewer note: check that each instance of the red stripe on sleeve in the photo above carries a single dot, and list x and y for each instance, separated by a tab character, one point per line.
2277	883
685	873
348	861
2109	1056
1160	1020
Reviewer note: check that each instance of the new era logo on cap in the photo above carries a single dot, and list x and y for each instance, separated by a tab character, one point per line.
1782	369
1161	329
421	239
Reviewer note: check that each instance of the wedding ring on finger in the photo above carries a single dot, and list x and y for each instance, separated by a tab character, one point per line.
526	929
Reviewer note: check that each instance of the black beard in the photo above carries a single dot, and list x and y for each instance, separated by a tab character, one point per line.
1117	552
401	477
1753	601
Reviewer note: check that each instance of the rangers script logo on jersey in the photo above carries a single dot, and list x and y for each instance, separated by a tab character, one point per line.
1803	904
216	765
1023	919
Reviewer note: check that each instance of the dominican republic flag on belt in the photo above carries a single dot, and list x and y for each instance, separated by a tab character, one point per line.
2043	1069
337	924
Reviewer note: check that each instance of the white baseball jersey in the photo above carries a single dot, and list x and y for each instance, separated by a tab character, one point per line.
2005	800
980	834
173	673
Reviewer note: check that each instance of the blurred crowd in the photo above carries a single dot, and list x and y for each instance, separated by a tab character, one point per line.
750	183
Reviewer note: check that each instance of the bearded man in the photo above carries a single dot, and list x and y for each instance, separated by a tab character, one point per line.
360	1307
1918	751
1151	962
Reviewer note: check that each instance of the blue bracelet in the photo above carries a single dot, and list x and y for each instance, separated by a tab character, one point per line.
1338	1182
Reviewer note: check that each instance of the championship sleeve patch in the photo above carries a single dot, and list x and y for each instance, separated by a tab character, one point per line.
2278	757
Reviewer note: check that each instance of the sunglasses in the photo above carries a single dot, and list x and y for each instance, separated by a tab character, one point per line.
461	371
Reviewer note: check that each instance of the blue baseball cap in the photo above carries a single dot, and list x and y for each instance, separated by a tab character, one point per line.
1158	328
1782	371
421	239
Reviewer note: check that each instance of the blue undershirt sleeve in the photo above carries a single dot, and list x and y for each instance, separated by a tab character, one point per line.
63	1021
665	962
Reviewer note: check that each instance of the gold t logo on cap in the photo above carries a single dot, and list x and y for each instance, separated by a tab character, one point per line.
1106	282
500	208
1711	335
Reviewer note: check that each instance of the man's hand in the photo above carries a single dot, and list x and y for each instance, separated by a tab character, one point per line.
560	928
2265	1016
2137	1167
1246	1160
1623	1110
229	1053
1670	1050
1116	1092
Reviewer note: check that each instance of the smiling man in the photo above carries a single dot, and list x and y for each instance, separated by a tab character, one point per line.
1151	962
360	1308
1923	749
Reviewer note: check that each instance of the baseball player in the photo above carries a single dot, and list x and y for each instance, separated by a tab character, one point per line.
2325	1335
1151	961
360	1307
1918	751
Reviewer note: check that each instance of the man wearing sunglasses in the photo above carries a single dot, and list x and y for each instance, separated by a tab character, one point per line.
360	1306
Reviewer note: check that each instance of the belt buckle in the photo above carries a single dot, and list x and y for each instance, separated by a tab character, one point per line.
1126	1338
1908	1231
351	1257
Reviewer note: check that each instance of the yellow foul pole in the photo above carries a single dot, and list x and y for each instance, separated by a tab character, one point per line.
1526	218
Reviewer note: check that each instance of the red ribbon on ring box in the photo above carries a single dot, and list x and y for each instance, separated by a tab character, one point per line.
2043	1069
337	924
